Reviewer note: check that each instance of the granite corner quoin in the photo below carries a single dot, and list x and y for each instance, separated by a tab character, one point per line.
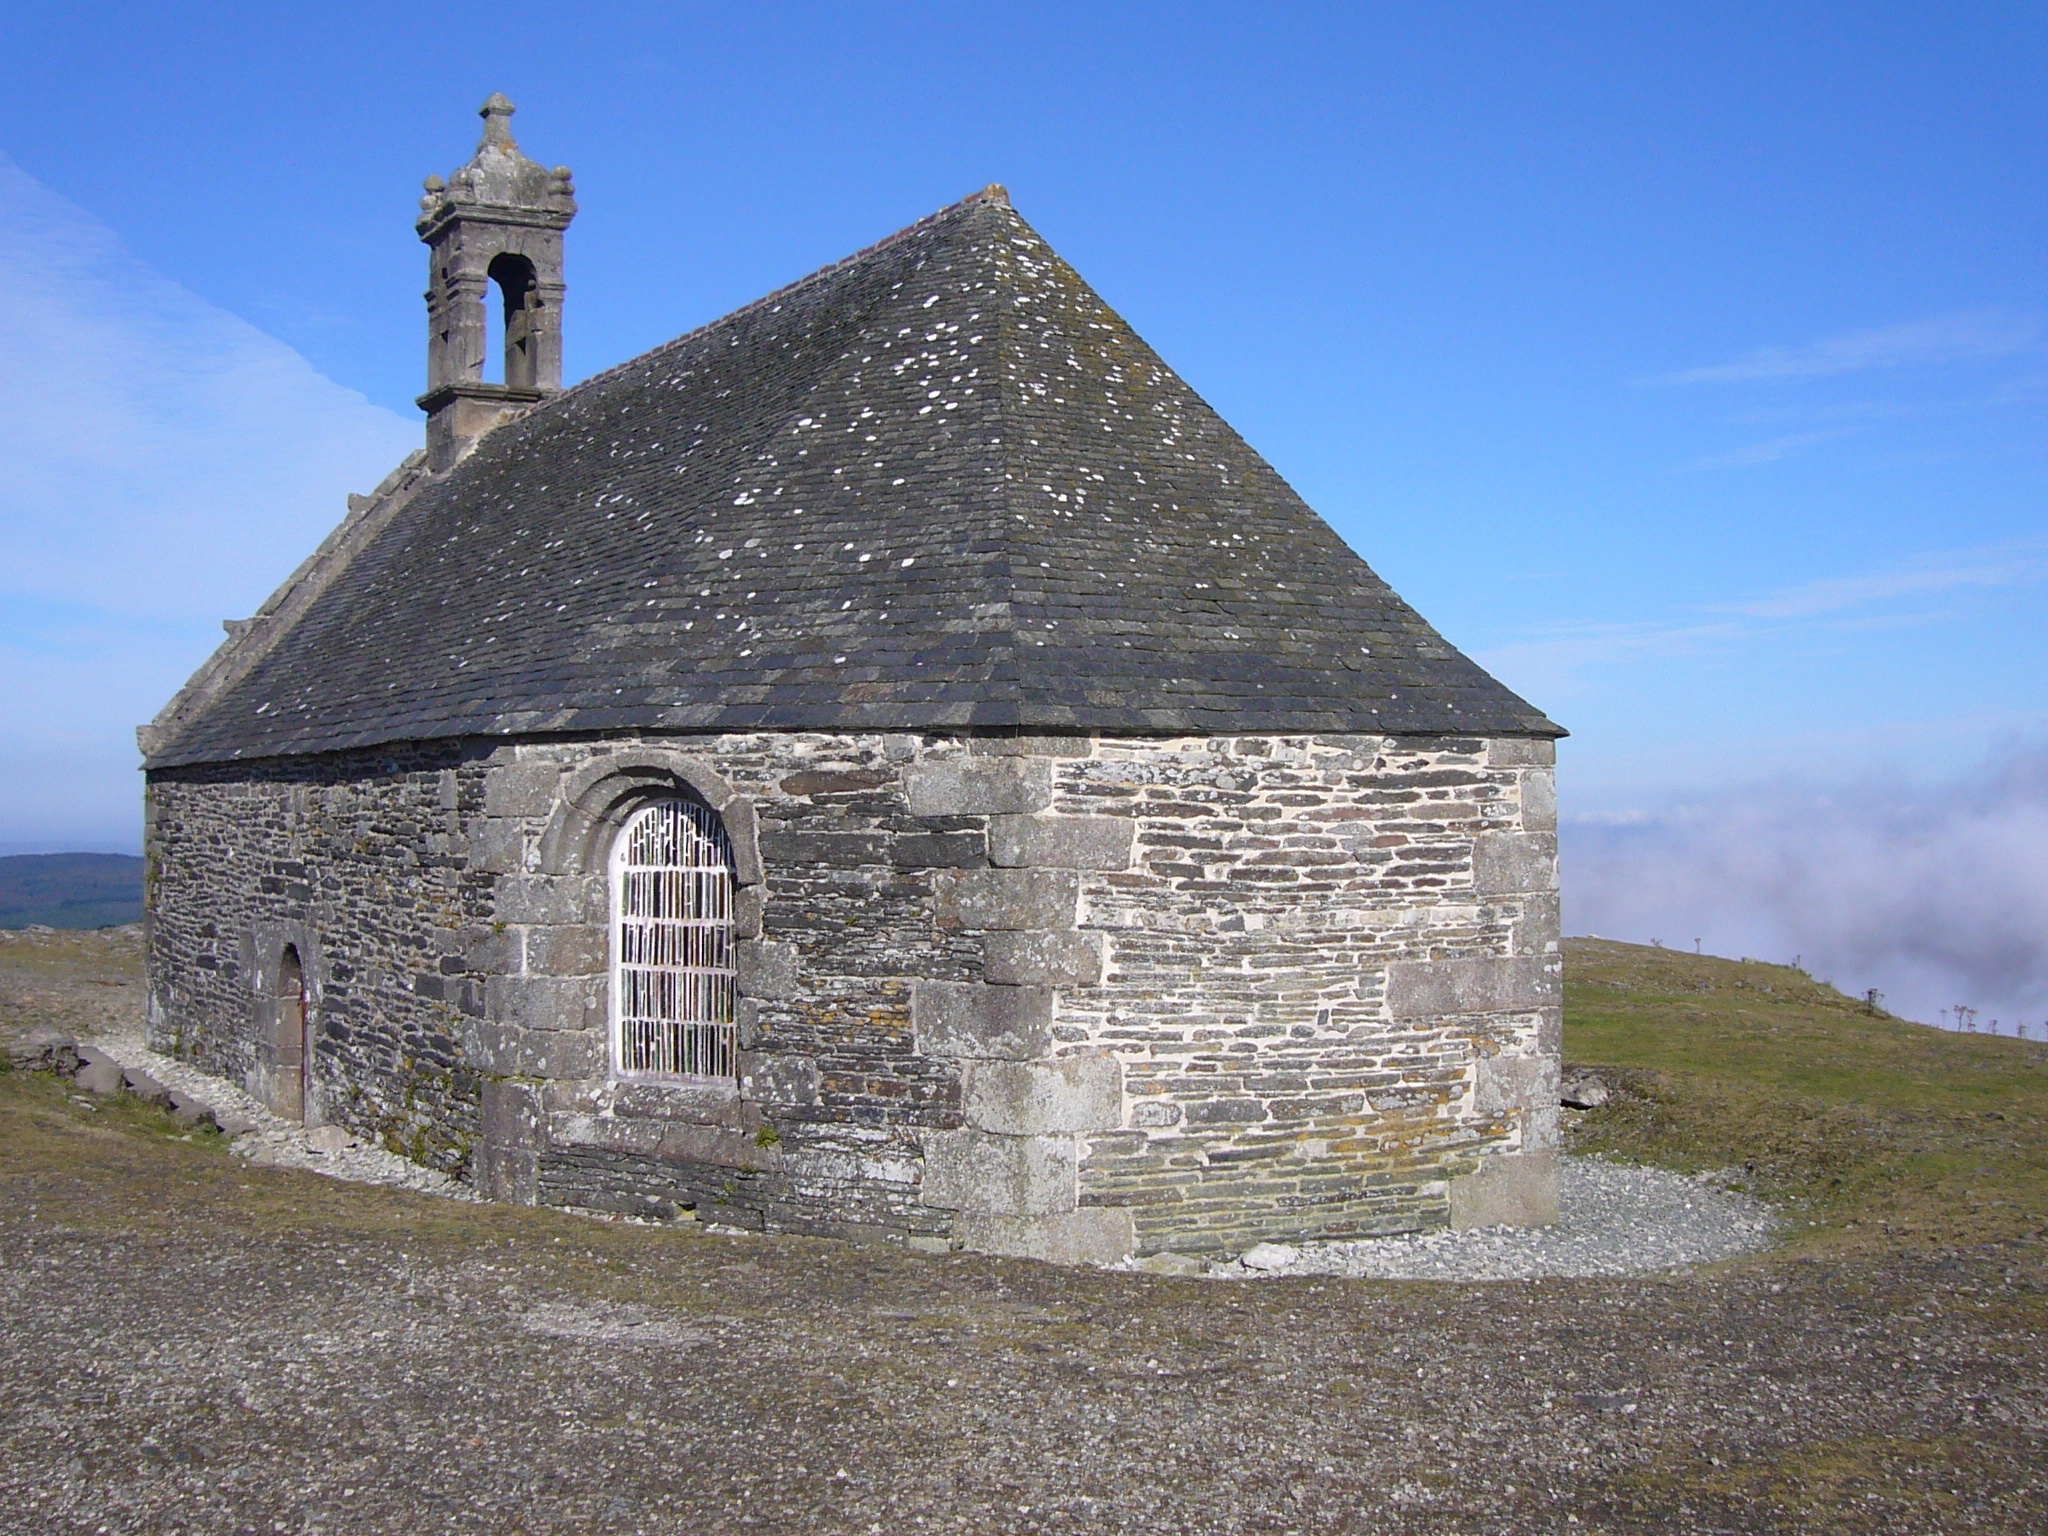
890	764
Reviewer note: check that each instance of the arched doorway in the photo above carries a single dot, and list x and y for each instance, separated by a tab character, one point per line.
290	1043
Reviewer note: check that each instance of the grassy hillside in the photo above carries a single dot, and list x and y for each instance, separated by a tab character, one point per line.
1880	1131
70	890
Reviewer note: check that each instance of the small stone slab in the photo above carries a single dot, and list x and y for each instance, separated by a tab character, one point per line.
330	1139
190	1110
146	1088
99	1073
1044	958
45	1048
971	1170
231	1124
1582	1090
971	1019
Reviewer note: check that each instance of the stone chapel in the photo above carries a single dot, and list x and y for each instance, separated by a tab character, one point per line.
891	763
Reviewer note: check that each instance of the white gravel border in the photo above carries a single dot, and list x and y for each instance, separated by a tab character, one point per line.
1614	1219
277	1142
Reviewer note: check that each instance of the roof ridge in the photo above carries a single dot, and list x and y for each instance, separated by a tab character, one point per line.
995	193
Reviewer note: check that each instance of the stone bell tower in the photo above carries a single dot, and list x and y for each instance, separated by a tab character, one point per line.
499	219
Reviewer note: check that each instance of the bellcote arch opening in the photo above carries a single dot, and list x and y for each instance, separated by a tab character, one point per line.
519	289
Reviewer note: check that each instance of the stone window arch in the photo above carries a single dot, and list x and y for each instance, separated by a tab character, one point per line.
674	981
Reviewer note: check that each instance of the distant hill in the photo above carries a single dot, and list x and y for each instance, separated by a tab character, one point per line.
1869	1128
70	890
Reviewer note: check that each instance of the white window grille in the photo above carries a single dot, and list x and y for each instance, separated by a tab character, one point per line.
673	983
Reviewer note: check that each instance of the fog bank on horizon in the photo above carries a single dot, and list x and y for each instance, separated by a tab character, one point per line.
1935	894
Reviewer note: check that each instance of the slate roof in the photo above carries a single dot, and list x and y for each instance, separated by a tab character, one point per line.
939	485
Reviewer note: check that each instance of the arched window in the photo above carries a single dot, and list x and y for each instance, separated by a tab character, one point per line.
521	293
673	984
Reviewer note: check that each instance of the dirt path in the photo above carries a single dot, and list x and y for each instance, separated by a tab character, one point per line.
191	1344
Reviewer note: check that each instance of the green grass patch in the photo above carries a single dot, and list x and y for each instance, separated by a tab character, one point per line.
1872	1128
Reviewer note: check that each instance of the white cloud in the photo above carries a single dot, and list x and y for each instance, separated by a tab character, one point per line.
1769	451
2002	567
1936	339
1553	662
1934	894
167	465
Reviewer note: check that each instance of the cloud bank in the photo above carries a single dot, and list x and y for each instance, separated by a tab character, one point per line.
167	465
1936	894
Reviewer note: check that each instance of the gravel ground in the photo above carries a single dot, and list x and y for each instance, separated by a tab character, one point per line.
190	1343
1614	1219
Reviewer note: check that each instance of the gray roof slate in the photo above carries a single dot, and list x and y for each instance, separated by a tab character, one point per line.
939	485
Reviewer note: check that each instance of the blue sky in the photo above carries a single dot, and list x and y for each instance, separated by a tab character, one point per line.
1685	364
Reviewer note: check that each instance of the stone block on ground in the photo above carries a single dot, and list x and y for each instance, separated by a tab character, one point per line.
1173	1264
45	1048
330	1139
1269	1256
1582	1090
99	1073
146	1088
191	1110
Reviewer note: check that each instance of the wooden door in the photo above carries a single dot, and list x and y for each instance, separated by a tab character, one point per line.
291	1035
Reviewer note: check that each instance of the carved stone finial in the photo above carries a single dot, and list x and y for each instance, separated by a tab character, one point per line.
497	115
996	192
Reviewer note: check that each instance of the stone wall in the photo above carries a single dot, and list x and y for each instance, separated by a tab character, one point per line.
362	864
1048	996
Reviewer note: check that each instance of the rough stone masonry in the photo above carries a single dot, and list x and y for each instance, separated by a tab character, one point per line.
1104	859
